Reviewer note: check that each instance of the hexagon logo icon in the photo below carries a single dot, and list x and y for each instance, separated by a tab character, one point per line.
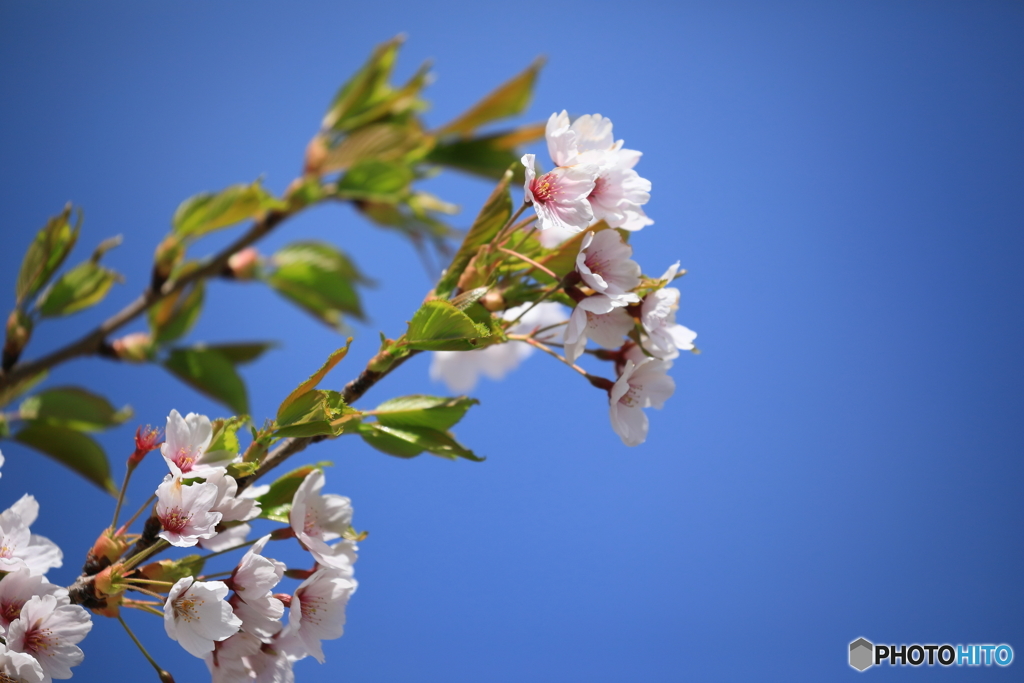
862	654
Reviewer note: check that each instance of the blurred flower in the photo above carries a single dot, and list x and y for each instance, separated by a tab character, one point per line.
461	370
196	615
19	547
658	314
317	518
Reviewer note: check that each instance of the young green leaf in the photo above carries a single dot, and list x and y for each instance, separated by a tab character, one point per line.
434	412
368	86
72	449
494	214
206	212
210	373
315	412
72	407
319	278
47	252
440	326
83	286
173	317
488	156
225	437
377	181
509	99
408	442
401	141
241	353
314	379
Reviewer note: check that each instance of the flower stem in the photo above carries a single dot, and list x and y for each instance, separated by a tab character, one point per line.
160	672
149	501
228	550
548	350
152	582
527	259
138	557
120	495
144	591
508	224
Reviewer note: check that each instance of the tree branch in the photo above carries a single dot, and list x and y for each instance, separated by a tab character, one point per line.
91	342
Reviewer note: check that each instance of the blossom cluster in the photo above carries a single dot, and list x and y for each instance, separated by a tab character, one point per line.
235	625
41	629
595	190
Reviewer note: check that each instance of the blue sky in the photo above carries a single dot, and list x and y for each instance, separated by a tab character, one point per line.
843	183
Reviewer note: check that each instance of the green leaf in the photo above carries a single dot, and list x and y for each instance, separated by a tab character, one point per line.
408	442
494	214
315	412
22	386
488	156
73	407
83	286
376	180
440	326
509	99
210	373
277	501
403	141
367	87
314	379
225	436
240	353
206	212
173	316
47	252
434	412
72	449
318	278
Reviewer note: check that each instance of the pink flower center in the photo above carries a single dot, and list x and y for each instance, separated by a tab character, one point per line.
175	520
38	640
9	611
309	606
184	459
7	548
309	524
543	188
631	398
599	187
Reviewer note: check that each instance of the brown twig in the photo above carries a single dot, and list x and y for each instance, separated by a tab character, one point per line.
92	342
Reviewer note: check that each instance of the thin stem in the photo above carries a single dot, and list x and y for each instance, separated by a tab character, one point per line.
526	235
143	554
228	550
542	330
508	224
548	292
204	577
144	605
91	342
149	501
144	591
527	259
548	350
159	672
153	582
120	495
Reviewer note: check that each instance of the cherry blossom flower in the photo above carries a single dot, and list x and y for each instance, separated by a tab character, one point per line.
274	662
600	318
253	602
233	508
228	661
619	191
461	370
197	615
20	667
317	518
559	197
19	547
658	314
641	385
317	611
50	632
605	265
19	587
187	439
185	512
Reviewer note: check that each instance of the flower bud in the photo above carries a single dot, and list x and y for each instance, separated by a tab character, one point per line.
168	255
137	347
173	570
243	265
19	329
108	547
493	301
316	155
284	598
110	581
146	439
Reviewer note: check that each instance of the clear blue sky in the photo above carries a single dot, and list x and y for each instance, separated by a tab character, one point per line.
843	182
